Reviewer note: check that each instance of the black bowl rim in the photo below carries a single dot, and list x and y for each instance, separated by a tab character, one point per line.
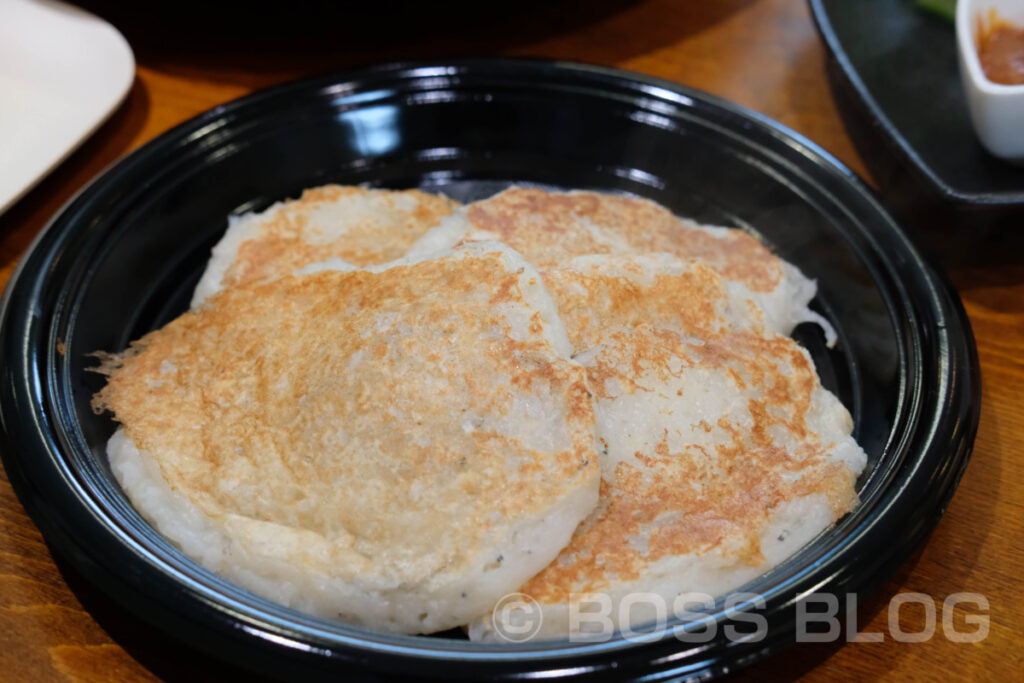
32	451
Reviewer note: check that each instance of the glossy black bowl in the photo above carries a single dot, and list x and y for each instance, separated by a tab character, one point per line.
123	256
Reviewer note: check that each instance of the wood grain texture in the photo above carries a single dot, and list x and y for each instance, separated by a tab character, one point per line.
763	54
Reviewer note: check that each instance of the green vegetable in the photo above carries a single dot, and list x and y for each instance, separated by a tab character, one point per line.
943	8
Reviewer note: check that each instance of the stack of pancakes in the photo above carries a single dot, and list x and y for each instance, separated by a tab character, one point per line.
391	410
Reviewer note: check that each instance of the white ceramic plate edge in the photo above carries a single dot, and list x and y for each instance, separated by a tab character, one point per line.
63	71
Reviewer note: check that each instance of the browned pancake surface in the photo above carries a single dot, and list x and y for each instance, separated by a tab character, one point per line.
549	228
709	424
407	416
362	226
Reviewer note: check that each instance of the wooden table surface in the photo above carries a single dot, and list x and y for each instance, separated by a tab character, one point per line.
763	54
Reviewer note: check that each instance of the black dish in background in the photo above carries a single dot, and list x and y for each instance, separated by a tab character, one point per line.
894	73
123	256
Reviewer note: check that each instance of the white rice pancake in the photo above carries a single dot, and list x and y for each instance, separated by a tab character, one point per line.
394	449
549	228
722	453
362	226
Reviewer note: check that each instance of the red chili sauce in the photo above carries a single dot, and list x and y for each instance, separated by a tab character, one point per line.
1001	51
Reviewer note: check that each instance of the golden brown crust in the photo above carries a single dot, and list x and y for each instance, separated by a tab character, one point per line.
703	487
378	410
382	230
550	228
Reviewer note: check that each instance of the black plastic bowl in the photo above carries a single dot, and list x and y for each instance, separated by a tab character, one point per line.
123	256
